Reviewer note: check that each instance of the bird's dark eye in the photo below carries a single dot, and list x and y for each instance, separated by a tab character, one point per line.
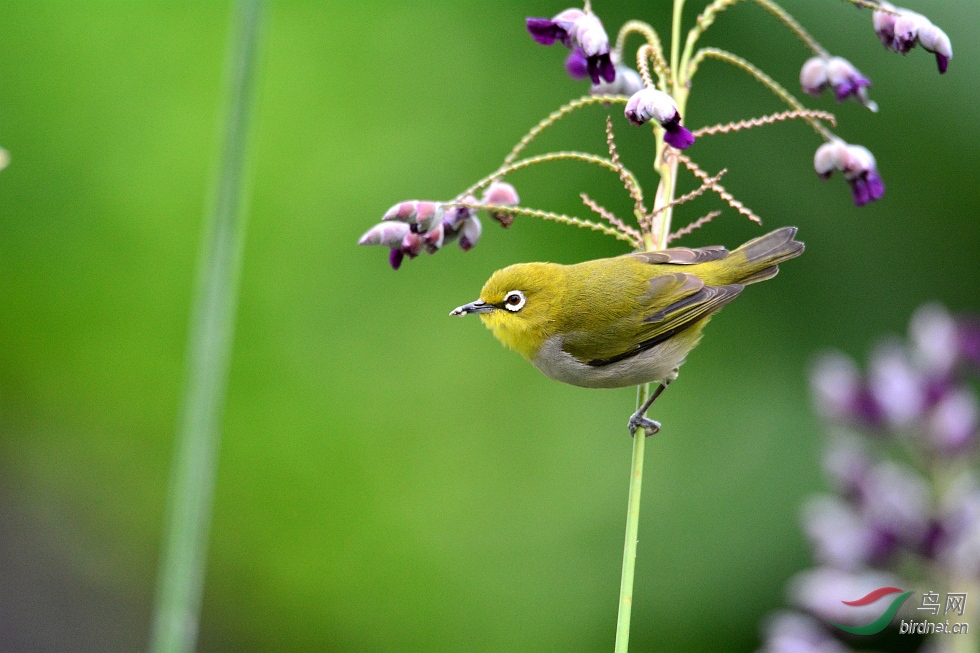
514	301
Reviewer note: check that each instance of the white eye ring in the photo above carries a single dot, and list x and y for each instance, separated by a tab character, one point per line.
514	301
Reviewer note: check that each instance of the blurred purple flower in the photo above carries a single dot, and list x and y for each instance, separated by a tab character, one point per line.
821	591
792	632
841	537
952	424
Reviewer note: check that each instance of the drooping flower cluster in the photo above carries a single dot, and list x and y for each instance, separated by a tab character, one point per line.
903	29
858	166
409	227
582	32
905	506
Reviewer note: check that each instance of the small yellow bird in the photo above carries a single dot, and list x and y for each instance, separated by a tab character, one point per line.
622	321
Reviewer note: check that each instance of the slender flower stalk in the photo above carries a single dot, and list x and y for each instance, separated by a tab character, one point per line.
180	583
658	93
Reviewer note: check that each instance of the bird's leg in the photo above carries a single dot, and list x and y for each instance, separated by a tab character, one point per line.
639	418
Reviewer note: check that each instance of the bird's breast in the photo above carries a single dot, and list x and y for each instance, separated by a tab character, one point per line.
654	364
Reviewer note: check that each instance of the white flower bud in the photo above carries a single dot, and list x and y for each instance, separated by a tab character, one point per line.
389	234
907	26
858	160
650	103
829	157
416	212
627	82
935	40
411	244
469	236
589	34
813	75
433	239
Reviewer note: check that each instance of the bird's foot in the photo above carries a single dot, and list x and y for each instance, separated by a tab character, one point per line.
638	421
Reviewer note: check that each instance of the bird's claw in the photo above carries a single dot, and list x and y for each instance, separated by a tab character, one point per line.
639	421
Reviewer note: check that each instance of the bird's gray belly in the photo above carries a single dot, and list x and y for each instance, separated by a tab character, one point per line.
654	364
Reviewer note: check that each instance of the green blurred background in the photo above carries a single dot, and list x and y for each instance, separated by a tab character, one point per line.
391	479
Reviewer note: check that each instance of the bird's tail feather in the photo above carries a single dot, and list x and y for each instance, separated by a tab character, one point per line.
759	259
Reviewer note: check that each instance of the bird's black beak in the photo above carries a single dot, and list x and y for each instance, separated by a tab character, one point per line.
479	306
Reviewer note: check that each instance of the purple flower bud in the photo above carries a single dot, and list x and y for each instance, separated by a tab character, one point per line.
936	41
420	214
884	24
952	426
469	235
576	64
858	166
861	172
546	31
395	258
411	244
935	340
845	79
502	194
906	29
651	103
627	82
588	34
389	234
434	238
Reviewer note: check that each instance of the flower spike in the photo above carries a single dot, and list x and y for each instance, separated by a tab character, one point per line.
651	103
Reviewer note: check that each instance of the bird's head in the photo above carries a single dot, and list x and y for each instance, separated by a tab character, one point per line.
520	305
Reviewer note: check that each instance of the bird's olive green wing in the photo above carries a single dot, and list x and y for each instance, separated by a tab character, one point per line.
670	304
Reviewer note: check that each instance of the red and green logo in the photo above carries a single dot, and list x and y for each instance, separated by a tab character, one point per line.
886	617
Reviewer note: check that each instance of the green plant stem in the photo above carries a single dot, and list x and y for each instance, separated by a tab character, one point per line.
180	581
632	529
656	238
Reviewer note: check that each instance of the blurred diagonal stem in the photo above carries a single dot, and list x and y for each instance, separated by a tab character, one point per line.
180	581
